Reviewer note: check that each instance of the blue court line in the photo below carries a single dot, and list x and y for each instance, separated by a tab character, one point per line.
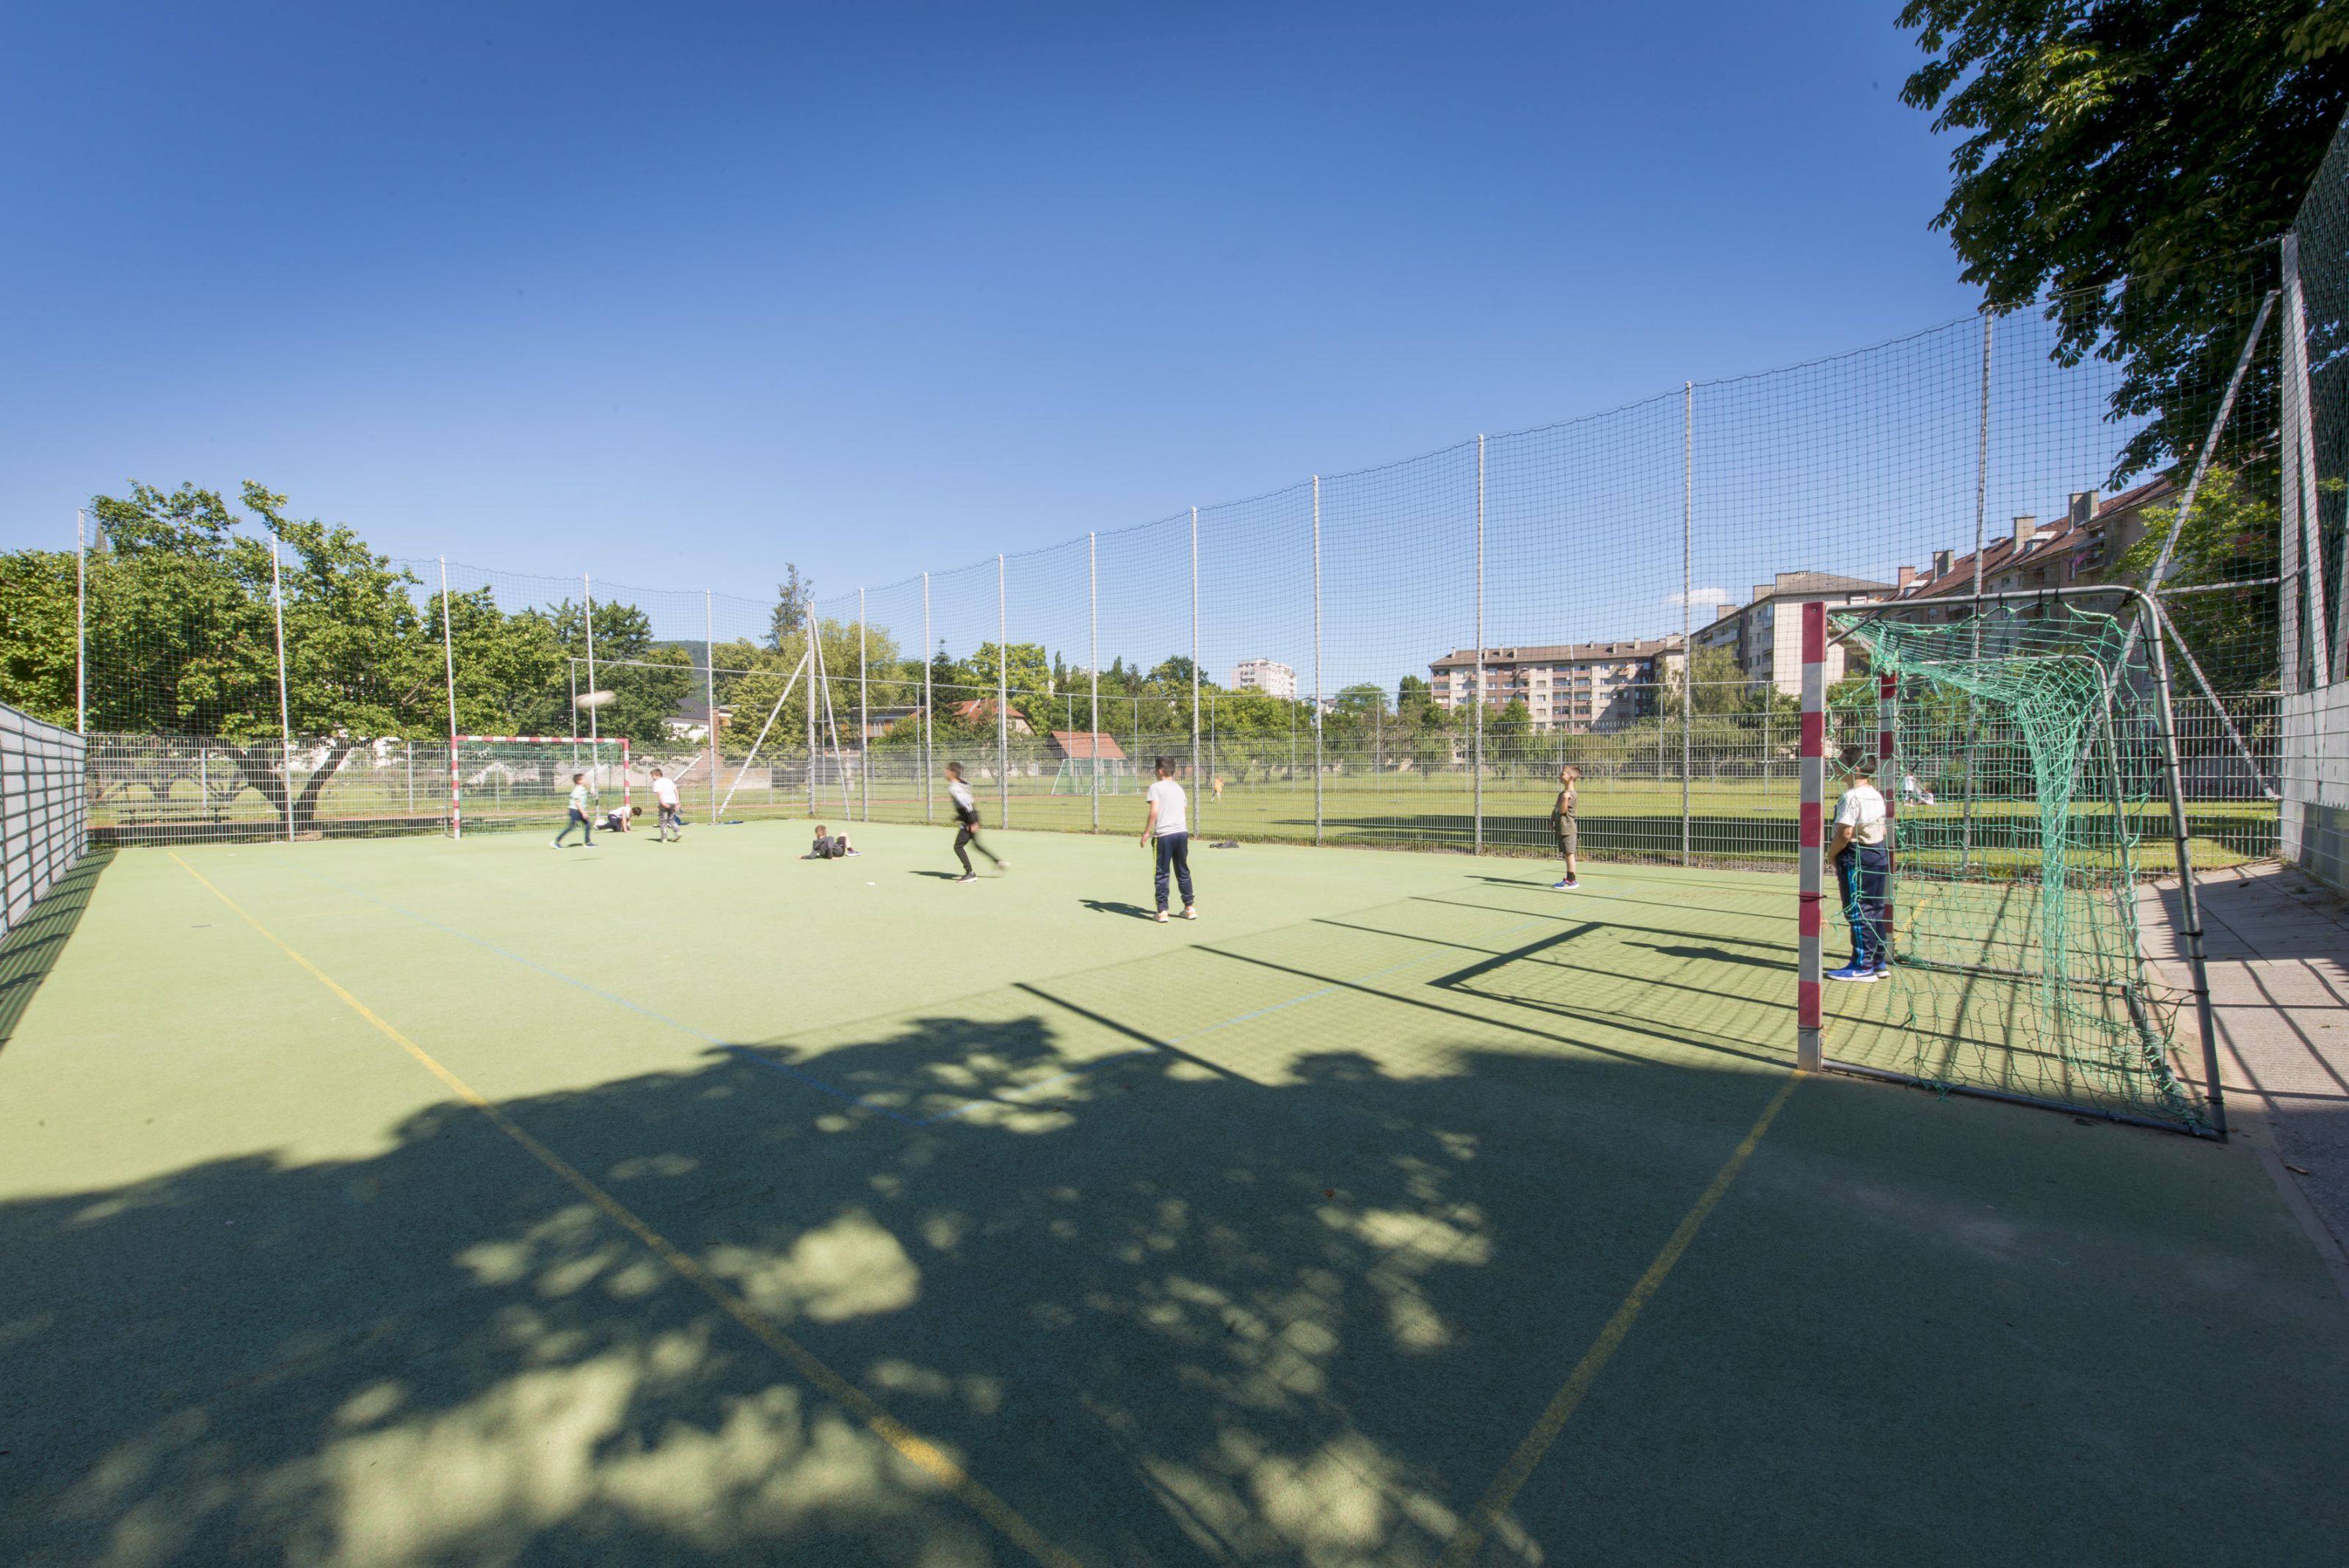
746	1053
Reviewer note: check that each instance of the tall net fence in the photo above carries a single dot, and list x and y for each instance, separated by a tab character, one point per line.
2314	559
1403	655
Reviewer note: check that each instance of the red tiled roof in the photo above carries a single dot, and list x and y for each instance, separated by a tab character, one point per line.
1088	743
2059	539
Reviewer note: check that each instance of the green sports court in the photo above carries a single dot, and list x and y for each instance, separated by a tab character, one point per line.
407	1201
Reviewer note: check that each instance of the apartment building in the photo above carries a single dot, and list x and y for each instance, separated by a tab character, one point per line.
1764	635
1269	676
1580	688
2081	550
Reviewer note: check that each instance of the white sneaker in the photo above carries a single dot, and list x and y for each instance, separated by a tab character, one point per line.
966	877
1189	913
1161	916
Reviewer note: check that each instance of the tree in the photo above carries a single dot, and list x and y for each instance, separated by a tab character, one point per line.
2146	143
1029	671
1509	732
2231	536
36	633
792	596
647	682
1365	701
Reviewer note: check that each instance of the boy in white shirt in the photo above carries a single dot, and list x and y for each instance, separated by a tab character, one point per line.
1170	823
1862	852
965	812
671	820
579	818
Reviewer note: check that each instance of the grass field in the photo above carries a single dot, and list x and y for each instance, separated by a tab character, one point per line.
402	1201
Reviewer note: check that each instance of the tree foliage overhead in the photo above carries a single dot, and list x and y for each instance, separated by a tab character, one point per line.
2132	157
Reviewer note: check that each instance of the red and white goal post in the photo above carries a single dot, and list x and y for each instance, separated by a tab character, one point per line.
528	777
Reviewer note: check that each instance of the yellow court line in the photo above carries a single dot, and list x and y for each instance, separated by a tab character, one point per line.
902	1439
1562	1406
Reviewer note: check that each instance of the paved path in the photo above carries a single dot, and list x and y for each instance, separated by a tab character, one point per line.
2278	945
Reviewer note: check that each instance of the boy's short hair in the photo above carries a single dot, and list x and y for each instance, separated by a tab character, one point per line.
820	830
577	777
955	768
1164	766
636	811
657	773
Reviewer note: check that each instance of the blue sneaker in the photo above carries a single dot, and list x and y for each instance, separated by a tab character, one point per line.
1854	973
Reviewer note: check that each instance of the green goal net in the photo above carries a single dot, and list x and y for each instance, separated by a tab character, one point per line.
2028	769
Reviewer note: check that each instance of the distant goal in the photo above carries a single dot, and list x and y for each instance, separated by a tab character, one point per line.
525	781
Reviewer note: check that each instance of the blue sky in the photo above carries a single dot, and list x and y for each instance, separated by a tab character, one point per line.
675	294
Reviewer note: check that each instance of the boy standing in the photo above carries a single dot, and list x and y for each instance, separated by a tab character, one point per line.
1561	817
1863	863
579	818
671	819
965	812
1170	822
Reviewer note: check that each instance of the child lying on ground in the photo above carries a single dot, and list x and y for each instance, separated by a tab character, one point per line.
828	846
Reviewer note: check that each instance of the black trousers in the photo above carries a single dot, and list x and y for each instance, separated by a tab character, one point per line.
967	840
1174	850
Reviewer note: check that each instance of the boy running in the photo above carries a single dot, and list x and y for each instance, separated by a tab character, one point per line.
671	819
1863	863
965	812
1561	817
1169	821
579	818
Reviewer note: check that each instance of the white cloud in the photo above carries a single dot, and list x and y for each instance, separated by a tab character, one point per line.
1698	597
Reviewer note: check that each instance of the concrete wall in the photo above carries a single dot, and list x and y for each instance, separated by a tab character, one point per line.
2315	766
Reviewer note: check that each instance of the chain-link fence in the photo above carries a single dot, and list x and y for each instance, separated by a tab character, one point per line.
1403	655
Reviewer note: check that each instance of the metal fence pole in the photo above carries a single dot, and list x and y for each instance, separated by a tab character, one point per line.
1981	502
2189	911
710	695
1092	660
2297	417
81	621
285	711
449	670
2288	591
929	763
595	731
1688	651
1194	669
1002	700
864	719
815	672
1317	700
1476	750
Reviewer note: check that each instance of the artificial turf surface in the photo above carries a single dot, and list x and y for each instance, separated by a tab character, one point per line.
1266	1239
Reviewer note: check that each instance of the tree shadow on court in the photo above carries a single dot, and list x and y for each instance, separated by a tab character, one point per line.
33	948
1166	1313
